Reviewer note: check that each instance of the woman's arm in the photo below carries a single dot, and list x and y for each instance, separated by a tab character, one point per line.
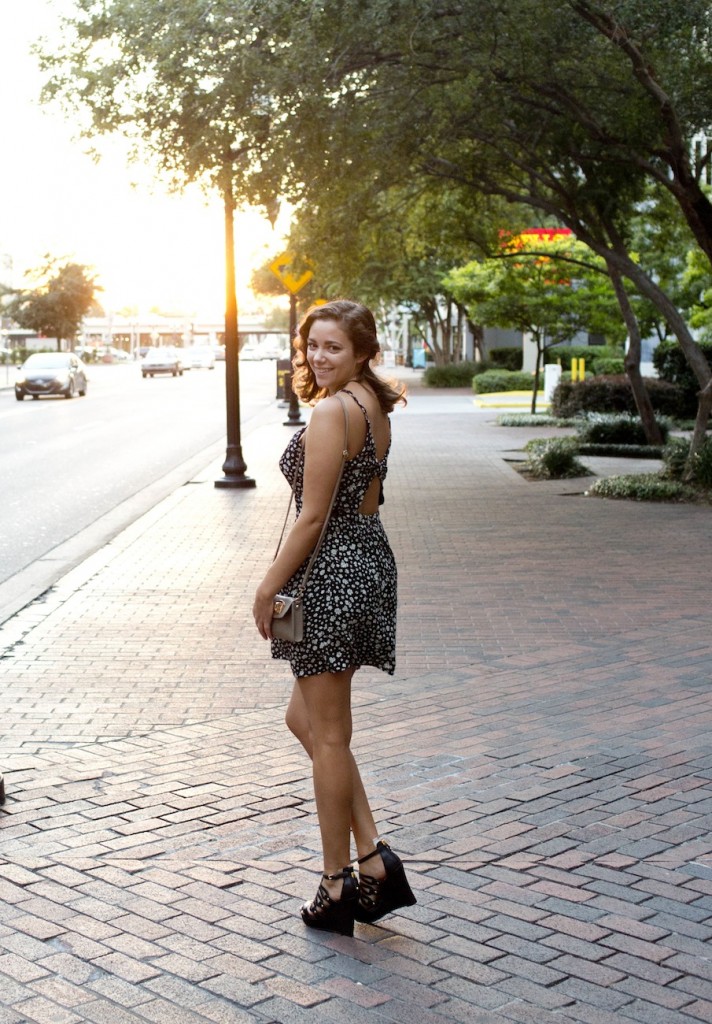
323	454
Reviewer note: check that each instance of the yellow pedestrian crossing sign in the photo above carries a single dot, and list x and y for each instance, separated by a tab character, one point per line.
280	267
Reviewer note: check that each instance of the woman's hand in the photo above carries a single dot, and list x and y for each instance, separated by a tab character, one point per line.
262	611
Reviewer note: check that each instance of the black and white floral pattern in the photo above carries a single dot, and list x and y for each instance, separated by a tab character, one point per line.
350	599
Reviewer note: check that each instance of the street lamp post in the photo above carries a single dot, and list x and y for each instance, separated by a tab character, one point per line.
293	416
234	465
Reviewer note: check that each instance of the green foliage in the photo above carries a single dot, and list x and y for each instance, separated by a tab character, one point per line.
675	462
591	355
453	375
641	487
554	459
507	358
623	451
57	306
527	419
612	394
671	365
493	381
363	112
675	455
609	367
605	429
697	285
702	466
550	297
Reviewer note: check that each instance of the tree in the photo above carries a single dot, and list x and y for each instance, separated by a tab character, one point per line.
57	306
394	246
187	85
567	108
550	292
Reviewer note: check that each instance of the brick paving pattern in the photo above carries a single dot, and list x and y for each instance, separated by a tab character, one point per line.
542	760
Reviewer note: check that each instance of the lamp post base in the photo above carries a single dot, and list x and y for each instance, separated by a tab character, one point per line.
234	469
236	481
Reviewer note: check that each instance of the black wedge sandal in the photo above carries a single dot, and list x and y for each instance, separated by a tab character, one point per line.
332	915
379	896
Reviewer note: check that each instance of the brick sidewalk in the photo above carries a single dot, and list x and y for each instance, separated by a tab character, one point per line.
541	759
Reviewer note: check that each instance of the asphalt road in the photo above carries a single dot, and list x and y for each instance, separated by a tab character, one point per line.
75	472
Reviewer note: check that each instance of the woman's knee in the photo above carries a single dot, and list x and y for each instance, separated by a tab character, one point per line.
296	723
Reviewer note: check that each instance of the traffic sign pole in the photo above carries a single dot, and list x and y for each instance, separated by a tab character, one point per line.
280	268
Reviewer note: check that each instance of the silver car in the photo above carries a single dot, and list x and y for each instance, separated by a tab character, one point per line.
165	359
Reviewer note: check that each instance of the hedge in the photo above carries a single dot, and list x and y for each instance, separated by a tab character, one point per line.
612	394
671	365
591	354
453	375
641	487
509	358
502	380
616	430
675	456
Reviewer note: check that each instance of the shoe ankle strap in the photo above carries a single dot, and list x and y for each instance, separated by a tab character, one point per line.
381	844
344	873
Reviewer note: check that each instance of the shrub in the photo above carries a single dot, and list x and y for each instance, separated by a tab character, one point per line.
609	365
623	451
502	380
675	455
453	375
554	459
506	358
641	487
611	394
600	428
591	354
527	419
702	466
671	365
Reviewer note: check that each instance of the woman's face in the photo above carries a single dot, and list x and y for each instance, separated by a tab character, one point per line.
330	353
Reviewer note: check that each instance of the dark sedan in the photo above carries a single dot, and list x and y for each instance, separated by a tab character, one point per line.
51	373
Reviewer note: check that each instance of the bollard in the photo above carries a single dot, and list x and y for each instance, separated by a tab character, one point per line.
284	375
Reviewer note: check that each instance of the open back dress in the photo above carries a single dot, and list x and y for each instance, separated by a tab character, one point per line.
350	599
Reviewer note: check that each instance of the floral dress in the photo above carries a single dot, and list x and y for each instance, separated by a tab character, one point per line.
350	599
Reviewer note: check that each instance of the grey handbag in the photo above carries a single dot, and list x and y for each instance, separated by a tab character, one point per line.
288	609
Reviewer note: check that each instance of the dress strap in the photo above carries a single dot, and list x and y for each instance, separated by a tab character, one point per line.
345	391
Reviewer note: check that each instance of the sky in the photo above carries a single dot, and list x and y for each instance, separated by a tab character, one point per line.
148	248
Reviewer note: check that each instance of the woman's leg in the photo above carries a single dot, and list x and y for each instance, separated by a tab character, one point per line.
362	824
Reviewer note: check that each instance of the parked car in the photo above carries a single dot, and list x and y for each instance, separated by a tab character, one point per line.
51	373
200	357
165	359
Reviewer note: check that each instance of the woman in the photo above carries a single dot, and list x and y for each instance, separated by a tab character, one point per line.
349	600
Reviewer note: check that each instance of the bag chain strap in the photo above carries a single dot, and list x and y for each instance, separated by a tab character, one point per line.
315	552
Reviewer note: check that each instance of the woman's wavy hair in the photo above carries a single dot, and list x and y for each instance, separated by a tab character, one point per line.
358	323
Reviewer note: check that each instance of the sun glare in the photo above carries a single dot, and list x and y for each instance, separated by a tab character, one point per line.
149	249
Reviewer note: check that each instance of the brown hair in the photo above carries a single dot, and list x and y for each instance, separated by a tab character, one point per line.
358	323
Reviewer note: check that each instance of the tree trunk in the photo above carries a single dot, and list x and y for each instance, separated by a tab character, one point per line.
478	340
699	434
540	350
651	428
618	257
